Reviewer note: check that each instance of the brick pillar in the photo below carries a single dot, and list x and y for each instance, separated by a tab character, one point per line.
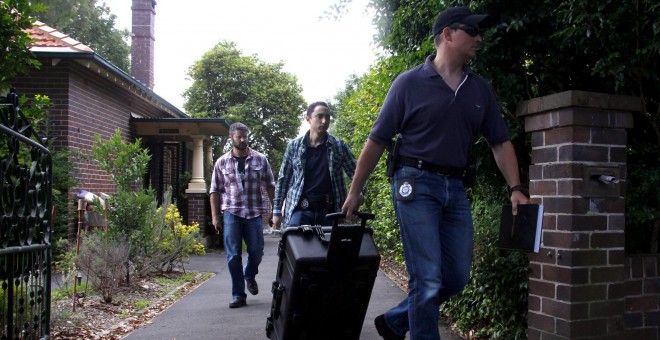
197	209
576	282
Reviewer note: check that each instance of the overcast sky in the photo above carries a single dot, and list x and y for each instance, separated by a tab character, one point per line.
322	53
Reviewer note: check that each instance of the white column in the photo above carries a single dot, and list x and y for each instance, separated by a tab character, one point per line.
208	159
197	183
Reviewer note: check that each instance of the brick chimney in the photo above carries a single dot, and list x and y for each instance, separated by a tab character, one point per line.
142	41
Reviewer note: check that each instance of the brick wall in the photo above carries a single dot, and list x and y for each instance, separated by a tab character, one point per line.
197	204
578	285
642	297
85	103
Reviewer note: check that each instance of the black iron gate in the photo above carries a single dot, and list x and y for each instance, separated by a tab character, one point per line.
25	227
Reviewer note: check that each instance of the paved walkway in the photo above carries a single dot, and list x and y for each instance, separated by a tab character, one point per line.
204	313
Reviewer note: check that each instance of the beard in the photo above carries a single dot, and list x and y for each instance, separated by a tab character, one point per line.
239	146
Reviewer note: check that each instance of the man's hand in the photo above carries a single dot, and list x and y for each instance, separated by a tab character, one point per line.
218	223
351	205
277	222
517	197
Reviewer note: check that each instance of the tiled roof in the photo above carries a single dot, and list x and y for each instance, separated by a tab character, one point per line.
50	39
49	42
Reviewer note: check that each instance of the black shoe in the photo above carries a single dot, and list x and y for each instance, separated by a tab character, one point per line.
237	302
252	286
384	330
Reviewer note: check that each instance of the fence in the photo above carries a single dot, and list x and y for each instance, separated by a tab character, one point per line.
25	227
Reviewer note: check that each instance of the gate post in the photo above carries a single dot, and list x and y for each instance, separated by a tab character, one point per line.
578	171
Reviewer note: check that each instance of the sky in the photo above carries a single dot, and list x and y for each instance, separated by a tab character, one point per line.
321	53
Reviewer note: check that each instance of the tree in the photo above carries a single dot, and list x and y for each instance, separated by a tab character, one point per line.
228	84
15	55
90	22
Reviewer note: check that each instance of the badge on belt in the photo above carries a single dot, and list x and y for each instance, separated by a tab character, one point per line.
405	189
304	203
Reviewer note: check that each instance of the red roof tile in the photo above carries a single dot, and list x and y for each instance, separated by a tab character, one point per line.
50	39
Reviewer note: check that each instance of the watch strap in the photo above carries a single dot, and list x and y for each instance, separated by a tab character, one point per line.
520	188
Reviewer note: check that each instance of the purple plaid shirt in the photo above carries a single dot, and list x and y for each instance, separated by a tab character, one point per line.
248	201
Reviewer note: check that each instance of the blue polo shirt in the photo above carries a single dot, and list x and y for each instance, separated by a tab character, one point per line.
438	125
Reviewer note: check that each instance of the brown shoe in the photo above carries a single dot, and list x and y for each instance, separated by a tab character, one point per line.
384	330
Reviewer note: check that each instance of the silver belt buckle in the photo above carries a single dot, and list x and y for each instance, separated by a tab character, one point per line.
304	203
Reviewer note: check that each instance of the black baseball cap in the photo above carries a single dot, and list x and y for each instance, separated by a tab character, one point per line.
460	14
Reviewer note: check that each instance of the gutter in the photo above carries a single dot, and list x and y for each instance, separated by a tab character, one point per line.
92	56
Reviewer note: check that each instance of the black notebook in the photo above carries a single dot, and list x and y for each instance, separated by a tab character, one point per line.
523	231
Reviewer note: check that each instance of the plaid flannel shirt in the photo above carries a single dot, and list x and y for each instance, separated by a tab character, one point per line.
248	201
291	180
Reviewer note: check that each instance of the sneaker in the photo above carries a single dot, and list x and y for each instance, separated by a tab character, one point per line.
252	286
237	302
384	330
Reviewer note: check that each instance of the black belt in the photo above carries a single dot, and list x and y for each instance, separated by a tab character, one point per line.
440	170
320	203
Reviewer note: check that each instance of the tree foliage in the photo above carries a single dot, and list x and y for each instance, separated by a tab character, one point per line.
228	84
125	162
15	55
92	23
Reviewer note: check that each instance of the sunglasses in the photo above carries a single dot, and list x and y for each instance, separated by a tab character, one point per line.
472	31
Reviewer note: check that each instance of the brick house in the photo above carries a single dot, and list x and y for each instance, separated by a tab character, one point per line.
91	97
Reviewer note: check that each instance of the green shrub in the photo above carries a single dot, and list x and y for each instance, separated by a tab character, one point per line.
166	242
104	261
494	303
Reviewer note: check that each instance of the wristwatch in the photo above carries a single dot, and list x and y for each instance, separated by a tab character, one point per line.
520	188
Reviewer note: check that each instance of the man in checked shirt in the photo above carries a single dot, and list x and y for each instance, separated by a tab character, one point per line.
237	203
311	179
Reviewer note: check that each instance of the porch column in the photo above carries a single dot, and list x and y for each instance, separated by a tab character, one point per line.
578	172
196	192
208	160
197	183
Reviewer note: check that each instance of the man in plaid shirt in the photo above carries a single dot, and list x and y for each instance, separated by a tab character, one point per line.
237	202
311	178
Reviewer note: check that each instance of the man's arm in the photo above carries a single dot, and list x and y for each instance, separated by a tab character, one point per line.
281	188
215	196
216	213
271	195
270	183
505	157
349	163
365	166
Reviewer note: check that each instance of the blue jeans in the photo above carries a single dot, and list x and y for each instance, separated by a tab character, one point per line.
436	231
309	217
237	229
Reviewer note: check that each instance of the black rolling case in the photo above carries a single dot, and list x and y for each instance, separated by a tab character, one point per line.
324	280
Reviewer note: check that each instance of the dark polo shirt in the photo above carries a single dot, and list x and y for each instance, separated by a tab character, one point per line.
436	124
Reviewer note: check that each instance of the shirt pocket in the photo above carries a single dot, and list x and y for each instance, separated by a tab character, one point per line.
254	171
229	175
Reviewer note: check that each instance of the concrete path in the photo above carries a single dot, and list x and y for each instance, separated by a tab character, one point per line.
204	313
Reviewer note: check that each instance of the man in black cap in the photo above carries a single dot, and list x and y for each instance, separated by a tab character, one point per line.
438	109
